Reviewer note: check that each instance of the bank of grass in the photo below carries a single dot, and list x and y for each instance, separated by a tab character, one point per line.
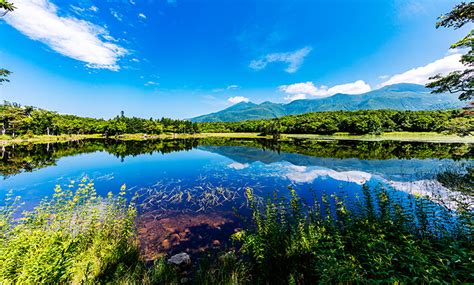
41	139
392	136
77	237
8	140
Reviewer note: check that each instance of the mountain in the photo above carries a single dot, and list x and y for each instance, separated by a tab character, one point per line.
403	96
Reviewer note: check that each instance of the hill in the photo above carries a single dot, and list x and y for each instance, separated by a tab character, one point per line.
402	96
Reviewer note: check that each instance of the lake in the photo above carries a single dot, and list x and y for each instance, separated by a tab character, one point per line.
192	192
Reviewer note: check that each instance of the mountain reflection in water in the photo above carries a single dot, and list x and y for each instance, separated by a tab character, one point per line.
191	192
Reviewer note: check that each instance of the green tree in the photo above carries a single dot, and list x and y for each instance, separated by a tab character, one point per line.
3	75
460	81
6	7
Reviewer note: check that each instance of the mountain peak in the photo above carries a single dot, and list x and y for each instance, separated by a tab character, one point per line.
241	105
405	87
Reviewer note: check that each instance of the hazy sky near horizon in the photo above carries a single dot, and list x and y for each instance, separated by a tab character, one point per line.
183	58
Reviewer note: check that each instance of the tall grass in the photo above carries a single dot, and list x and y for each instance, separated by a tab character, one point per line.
296	243
76	237
73	237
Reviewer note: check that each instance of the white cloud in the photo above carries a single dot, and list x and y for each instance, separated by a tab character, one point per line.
298	168
238	166
77	9
233	86
421	75
238	99
302	175
80	10
116	15
293	59
433	190
151	83
357	87
293	97
72	37
110	38
304	89
141	15
457	51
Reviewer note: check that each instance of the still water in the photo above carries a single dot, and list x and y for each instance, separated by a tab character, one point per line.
201	183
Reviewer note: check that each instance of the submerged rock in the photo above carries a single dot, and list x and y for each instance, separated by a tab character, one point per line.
180	259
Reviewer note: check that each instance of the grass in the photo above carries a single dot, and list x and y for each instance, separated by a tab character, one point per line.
393	136
77	237
39	139
378	242
8	140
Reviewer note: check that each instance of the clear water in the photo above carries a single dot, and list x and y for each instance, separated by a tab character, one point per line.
202	178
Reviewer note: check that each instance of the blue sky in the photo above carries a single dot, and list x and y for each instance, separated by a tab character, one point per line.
183	58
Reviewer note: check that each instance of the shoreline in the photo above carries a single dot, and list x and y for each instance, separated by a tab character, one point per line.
393	136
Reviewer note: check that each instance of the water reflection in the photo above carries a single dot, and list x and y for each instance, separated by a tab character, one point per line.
189	190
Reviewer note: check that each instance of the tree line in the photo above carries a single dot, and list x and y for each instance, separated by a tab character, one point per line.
18	120
354	122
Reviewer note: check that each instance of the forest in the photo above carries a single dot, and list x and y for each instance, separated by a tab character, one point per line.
27	120
17	120
354	122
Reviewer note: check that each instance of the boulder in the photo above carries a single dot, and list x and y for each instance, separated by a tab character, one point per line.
180	259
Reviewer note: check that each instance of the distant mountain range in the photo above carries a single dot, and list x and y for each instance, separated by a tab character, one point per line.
402	96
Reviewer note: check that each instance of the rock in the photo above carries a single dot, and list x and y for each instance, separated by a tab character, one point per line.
180	259
166	244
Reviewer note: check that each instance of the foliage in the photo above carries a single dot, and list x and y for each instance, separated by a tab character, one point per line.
224	268
355	122
6	7
3	75
18	120
296	243
74	237
461	81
